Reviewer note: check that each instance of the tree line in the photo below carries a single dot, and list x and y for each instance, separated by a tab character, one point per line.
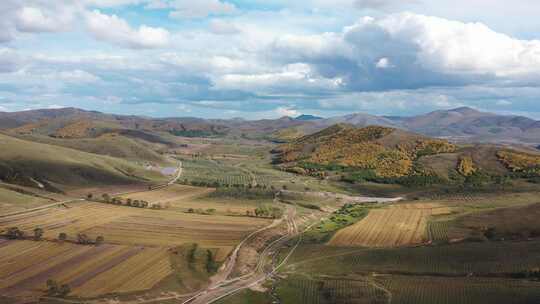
14	233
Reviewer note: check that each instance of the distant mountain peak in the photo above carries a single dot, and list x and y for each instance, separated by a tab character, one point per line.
465	110
308	117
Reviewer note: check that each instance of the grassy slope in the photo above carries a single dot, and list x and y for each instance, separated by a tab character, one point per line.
109	144
13	201
21	159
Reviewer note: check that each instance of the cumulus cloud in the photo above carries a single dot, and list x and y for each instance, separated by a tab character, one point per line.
286	111
115	30
34	19
425	51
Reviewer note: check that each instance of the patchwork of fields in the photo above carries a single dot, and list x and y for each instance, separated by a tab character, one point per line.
25	266
397	225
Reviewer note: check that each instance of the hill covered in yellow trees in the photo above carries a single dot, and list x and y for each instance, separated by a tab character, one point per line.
391	155
386	151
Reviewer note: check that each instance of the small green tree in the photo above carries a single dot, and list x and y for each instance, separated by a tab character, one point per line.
38	234
106	197
64	290
99	240
62	236
211	265
52	287
14	233
82	239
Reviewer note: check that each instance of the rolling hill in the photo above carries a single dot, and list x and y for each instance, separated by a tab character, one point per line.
53	167
459	125
392	155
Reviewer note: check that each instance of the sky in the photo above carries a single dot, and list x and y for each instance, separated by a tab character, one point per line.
266	59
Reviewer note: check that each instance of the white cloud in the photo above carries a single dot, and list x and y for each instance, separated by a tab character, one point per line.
384	63
286	111
34	19
425	52
77	76
200	8
294	77
222	27
117	31
452	46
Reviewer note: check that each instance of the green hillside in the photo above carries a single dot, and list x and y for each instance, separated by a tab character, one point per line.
43	165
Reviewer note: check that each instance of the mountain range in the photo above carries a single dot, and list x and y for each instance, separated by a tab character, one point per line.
458	125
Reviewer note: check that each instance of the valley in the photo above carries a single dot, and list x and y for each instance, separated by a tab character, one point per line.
116	209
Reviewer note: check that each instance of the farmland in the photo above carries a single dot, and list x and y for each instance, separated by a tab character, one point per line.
486	258
25	266
398	225
134	226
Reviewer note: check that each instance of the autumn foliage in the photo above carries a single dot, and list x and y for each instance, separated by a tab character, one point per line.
364	148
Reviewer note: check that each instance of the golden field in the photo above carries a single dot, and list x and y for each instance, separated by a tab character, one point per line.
397	225
25	267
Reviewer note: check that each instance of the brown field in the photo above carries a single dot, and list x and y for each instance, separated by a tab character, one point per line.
173	195
133	226
25	266
397	225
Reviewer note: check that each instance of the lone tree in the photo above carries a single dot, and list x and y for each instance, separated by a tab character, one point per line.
82	239
38	234
99	240
89	196
62	236
106	197
52	287
64	290
14	233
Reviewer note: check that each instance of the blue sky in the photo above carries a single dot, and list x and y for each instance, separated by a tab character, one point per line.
266	59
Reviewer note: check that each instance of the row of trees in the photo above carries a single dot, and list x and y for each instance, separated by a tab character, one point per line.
14	233
216	184
265	212
106	198
209	211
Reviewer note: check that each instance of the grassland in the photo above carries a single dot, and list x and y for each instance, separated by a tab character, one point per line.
33	164
13	201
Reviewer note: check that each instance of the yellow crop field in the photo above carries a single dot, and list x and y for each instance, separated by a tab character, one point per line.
397	225
135	226
25	266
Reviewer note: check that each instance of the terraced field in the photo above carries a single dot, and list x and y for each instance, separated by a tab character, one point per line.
25	266
397	225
